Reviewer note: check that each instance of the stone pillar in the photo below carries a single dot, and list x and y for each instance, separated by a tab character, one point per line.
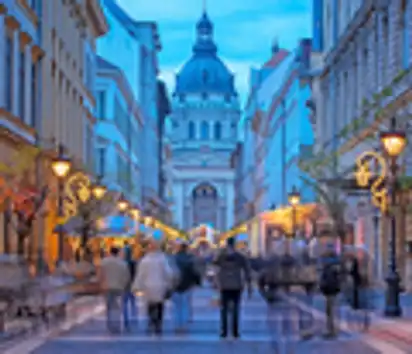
2	60
16	76
409	29
394	47
230	198
27	85
179	206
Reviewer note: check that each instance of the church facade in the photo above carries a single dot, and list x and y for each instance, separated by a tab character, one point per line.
203	135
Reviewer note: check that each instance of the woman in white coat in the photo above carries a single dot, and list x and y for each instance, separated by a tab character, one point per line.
154	279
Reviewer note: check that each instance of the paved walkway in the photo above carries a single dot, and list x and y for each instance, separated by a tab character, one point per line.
396	334
263	332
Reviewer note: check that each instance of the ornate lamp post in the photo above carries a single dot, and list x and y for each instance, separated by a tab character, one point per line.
294	200
393	143
61	167
98	189
122	204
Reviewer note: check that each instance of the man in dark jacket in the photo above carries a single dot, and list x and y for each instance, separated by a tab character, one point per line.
188	277
233	272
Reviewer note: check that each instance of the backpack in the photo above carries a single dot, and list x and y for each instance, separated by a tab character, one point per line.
330	280
188	276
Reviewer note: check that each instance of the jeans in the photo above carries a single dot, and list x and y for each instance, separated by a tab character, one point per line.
129	309
113	310
181	303
155	312
230	304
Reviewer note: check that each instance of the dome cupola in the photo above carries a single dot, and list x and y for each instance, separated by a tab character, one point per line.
205	73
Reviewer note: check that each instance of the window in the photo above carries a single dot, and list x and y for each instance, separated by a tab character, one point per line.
218	131
123	175
89	73
33	99
121	118
89	146
204	131
101	161
405	35
22	83
9	73
385	47
192	130
101	104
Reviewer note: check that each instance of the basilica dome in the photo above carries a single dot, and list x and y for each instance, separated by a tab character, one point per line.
205	72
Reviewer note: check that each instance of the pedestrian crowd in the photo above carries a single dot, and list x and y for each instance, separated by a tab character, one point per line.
160	276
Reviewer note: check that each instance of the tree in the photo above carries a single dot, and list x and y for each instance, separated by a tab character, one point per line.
20	196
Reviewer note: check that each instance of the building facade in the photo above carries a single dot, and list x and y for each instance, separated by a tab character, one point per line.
362	76
236	163
47	56
118	130
277	129
133	47
204	120
163	110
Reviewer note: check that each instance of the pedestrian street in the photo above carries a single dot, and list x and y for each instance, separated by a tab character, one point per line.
261	332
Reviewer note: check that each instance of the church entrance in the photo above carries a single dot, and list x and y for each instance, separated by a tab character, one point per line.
205	205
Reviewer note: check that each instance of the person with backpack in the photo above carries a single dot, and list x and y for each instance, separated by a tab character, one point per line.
330	286
129	299
233	273
189	277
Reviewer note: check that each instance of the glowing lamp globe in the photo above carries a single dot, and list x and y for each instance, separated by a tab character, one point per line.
122	204
294	197
393	142
99	191
61	167
135	213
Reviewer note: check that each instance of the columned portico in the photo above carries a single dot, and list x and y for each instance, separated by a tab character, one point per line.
205	110
203	200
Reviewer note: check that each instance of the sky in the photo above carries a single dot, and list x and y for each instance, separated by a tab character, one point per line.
244	30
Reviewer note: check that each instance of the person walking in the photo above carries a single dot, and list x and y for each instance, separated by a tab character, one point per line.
233	272
129	298
189	277
154	279
114	277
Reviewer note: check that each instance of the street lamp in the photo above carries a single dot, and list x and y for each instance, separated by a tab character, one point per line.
294	200
393	143
98	189
122	204
61	167
135	213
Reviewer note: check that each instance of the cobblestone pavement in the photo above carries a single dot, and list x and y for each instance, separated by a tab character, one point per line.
263	332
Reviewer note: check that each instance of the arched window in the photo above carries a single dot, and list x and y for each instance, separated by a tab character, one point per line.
218	131
192	130
204	129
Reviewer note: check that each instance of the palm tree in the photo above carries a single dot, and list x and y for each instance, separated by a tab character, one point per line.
329	197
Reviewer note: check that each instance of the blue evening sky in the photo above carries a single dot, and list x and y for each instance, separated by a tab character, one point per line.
244	30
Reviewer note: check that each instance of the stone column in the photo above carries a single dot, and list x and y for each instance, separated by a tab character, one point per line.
394	48
230	198
409	29
27	84
16	76
2	60
179	204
